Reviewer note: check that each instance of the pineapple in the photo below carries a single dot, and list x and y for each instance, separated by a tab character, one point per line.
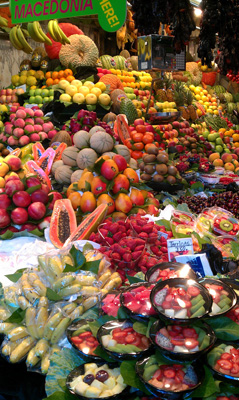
161	94
189	99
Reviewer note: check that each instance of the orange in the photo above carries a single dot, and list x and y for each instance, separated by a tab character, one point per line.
235	137
60	74
49	82
68	72
70	78
56	81
54	75
48	75
75	199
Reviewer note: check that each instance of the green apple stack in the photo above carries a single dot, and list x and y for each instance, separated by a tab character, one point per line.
40	96
216	141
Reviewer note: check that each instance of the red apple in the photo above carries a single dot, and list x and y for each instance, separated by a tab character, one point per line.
19	215
4	218
39	195
36	210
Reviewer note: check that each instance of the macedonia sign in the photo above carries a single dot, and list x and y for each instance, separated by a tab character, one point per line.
111	13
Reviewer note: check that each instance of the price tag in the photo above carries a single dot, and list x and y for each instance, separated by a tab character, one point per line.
9	148
31	105
179	247
198	262
22	87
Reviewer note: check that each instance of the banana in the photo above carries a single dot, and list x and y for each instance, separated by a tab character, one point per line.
50	276
101	266
77	312
104	278
41	348
43	302
6	327
30	320
62	282
14	39
22	349
26	47
4	314
17	333
89	291
45	363
51	30
23	302
63	38
41	320
69	308
30	293
70	290
31	277
60	329
55	349
34	33
85	280
90	302
51	324
32	358
67	259
39	287
3	22
8	348
40	34
56	31
113	284
55	266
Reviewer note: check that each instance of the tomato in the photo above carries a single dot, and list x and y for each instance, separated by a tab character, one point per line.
137	137
225	364
148	139
141	128
138	146
191	343
136	154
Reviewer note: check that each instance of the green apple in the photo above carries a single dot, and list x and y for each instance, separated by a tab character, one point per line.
38	92
51	92
212	137
32	100
40	105
131	96
45	100
38	100
128	90
45	93
32	92
205	134
219	148
219	141
51	98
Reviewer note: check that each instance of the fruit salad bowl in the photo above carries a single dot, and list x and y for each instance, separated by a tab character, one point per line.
168	380
182	217
120	339
224	297
225	226
80	337
135	301
170	270
223	361
97	380
181	300
182	343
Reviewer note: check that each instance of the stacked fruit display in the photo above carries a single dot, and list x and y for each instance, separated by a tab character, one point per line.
205	99
133	79
54	77
26	126
9	96
10	166
28	78
228	161
40	96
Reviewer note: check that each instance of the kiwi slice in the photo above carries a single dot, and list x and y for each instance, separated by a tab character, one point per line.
197	306
226	226
196	300
205	343
206	222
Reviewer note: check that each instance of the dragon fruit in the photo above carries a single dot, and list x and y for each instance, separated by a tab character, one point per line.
163	341
190	378
160	296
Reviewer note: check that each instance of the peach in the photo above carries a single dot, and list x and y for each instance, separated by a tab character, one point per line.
13	162
8	129
229	166
39	121
226	158
38	113
214	156
218	163
18	132
29	112
19	123
21	114
29	129
29	121
34	137
24	140
12	142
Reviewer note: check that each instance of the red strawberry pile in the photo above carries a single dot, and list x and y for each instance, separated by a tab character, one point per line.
172	336
234	314
130	336
173	378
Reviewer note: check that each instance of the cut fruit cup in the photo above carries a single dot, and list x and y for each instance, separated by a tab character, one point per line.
223	360
181	299
223	244
110	303
182	343
144	228
122	342
135	300
203	223
217	211
171	381
165	271
224	297
233	314
97	380
183	217
80	337
179	227
225	226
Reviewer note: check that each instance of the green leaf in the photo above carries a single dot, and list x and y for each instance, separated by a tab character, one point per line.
91	266
134	279
102	353
122	314
32	189
197	187
184	207
235	249
17	316
51	295
98	165
94	327
208	387
16	276
128	372
141	328
69	268
224	328
87	186
1	291
78	257
165	223
7	235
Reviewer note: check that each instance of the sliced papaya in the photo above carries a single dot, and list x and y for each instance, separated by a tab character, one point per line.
63	222
89	224
122	128
16	152
34	168
37	150
46	160
59	150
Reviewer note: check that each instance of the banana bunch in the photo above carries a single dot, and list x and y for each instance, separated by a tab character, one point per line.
37	34
3	22
18	40
19	342
32	289
52	267
57	33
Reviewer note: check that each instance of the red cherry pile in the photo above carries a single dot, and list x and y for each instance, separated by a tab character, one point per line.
137	300
25	203
228	363
130	336
85	342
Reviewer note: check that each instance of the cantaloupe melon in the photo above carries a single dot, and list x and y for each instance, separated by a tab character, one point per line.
86	158
101	142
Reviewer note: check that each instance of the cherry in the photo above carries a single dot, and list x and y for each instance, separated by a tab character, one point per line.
89	379
102	375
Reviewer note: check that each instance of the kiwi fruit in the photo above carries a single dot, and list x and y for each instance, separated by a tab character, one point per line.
5	152
141	166
146	177
226	226
171	179
149	169
162	158
162	169
149	158
172	170
153	150
1	146
193	146
186	143
158	178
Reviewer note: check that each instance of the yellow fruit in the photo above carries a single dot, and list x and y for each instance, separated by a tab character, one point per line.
23	73
65	98
31	80
2	182
31	72
22	80
15	79
101	86
3	108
